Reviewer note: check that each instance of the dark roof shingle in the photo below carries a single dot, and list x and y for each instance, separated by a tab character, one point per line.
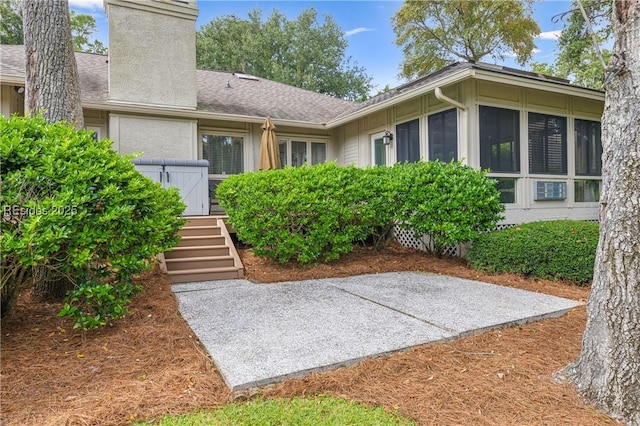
252	97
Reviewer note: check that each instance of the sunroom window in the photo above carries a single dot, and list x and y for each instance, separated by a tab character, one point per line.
587	191
443	136
547	144
588	148
499	140
408	141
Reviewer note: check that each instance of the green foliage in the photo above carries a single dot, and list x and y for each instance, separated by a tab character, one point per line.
577	57
449	202
436	33
82	27
315	411
563	250
93	304
10	22
305	214
312	214
302	52
75	207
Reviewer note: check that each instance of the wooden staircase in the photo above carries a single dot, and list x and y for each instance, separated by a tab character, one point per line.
205	253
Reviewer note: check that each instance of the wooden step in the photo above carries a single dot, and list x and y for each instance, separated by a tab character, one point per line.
202	240
196	251
199	262
202	221
193	230
209	274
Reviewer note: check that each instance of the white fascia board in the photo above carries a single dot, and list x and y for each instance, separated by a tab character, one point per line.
119	107
532	83
12	79
447	80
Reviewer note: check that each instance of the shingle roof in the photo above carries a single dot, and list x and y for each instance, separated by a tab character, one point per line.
218	92
235	94
93	70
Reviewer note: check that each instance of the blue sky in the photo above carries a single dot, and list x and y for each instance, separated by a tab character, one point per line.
367	27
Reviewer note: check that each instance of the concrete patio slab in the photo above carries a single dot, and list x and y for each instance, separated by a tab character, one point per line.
459	305
264	333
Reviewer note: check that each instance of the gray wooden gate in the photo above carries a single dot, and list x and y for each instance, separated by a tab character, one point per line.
189	176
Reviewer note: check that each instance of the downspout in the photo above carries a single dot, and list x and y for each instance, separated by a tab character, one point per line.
440	96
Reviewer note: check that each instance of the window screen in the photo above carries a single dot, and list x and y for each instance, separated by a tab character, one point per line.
443	136
588	148
408	141
547	144
499	139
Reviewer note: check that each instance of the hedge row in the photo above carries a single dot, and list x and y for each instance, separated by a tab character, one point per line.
561	249
316	213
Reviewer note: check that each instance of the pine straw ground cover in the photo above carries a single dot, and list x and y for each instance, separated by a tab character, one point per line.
150	364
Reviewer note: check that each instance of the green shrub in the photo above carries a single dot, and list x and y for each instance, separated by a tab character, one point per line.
75	208
307	214
561	249
449	202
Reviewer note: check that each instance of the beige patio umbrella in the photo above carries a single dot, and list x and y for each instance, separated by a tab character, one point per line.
269	150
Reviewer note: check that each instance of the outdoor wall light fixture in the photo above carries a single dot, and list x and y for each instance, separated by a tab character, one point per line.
387	137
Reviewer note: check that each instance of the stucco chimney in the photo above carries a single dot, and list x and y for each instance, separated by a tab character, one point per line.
152	51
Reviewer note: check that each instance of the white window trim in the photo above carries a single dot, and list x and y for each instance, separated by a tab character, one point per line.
308	140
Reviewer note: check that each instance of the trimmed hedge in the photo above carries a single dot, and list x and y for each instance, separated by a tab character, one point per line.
559	250
449	202
316	213
307	214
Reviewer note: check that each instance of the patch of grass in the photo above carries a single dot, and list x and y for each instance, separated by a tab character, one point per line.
311	411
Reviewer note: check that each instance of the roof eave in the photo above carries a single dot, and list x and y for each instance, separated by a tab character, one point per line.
487	75
12	79
118	107
445	80
538	84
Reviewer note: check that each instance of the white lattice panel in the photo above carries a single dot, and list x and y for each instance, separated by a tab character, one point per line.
408	238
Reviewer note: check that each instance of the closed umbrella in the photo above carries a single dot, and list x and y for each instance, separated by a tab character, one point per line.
269	150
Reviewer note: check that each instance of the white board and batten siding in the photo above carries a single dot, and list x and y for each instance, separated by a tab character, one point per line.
189	176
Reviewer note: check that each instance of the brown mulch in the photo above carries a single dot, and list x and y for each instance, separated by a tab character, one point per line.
149	363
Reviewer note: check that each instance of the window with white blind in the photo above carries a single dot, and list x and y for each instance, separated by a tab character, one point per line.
588	148
547	144
443	136
225	153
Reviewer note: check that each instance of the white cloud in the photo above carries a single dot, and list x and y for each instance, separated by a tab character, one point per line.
549	35
86	4
536	51
356	31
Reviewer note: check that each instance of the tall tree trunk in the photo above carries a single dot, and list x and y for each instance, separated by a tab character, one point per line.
52	83
52	88
607	373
